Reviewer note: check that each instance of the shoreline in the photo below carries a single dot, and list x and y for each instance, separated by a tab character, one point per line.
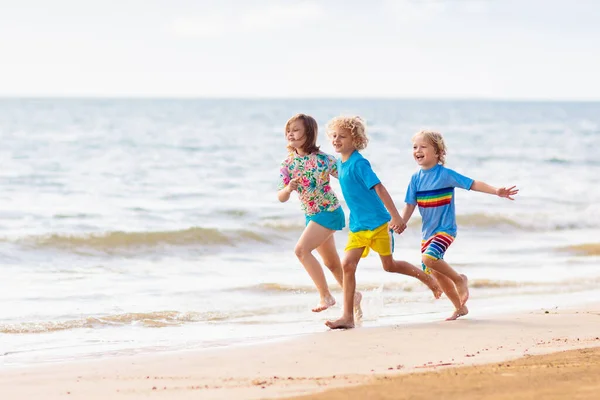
563	301
314	362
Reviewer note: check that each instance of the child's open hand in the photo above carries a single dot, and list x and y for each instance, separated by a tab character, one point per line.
293	185
507	192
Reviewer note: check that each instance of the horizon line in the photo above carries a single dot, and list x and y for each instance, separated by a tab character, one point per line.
263	98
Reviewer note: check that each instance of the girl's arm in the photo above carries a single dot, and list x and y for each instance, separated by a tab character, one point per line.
397	224
284	194
407	212
479	186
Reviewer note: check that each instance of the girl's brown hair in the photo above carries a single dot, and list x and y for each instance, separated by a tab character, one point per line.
311	130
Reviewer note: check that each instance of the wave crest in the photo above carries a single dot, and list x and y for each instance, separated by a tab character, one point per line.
587	249
481	220
155	319
120	240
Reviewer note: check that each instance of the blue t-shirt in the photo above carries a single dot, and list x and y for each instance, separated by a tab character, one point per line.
433	191
357	180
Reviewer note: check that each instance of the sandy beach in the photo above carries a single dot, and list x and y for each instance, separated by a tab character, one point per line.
571	374
314	363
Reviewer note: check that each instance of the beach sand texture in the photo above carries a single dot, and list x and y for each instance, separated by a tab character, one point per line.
379	357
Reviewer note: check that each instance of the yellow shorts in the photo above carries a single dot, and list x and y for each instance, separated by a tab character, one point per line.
379	239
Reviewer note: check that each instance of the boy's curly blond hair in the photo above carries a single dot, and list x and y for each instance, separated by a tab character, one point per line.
355	125
437	141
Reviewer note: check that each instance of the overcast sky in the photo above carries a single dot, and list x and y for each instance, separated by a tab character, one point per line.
507	49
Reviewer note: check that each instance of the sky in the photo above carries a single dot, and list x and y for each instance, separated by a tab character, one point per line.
497	49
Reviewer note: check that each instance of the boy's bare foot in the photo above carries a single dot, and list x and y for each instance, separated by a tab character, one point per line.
324	304
458	313
358	312
463	290
342	323
434	286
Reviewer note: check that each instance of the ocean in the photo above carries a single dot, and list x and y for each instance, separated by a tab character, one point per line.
133	226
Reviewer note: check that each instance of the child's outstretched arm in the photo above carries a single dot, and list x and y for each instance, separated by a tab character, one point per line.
479	186
284	194
397	224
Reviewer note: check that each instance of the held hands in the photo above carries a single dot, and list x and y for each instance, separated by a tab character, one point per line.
507	192
397	225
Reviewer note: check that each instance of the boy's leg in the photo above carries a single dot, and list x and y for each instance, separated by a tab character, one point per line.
313	236
331	259
461	281
452	294
383	243
349	264
433	250
405	268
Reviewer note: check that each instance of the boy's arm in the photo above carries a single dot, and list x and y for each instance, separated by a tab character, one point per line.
407	212
479	186
397	224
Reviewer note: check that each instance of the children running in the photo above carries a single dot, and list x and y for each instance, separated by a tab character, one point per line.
372	214
307	170
432	189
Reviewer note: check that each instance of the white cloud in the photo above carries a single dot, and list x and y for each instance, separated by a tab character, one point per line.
274	17
424	10
417	11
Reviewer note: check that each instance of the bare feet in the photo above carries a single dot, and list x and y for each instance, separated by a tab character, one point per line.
324	304
358	312
458	313
463	290
342	323
434	286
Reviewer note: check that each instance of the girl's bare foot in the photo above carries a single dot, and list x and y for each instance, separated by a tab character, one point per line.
458	313
358	312
324	304
463	290
342	323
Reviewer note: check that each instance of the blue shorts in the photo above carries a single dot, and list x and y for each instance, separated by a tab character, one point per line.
334	220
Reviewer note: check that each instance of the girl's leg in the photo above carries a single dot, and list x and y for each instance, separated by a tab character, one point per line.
349	266
459	280
331	259
405	268
450	289
314	236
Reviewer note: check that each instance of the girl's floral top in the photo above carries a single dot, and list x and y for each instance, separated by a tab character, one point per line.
313	170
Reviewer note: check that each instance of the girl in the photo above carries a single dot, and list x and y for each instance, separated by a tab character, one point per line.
432	189
307	170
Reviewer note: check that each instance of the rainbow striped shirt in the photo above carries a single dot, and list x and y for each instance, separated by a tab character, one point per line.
432	191
435	198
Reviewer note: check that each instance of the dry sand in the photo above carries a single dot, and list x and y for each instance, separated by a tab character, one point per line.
569	375
334	359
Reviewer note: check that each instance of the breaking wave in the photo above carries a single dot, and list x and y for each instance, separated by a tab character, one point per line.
156	319
587	249
118	240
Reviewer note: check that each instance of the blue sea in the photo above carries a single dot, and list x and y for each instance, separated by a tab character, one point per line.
131	226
